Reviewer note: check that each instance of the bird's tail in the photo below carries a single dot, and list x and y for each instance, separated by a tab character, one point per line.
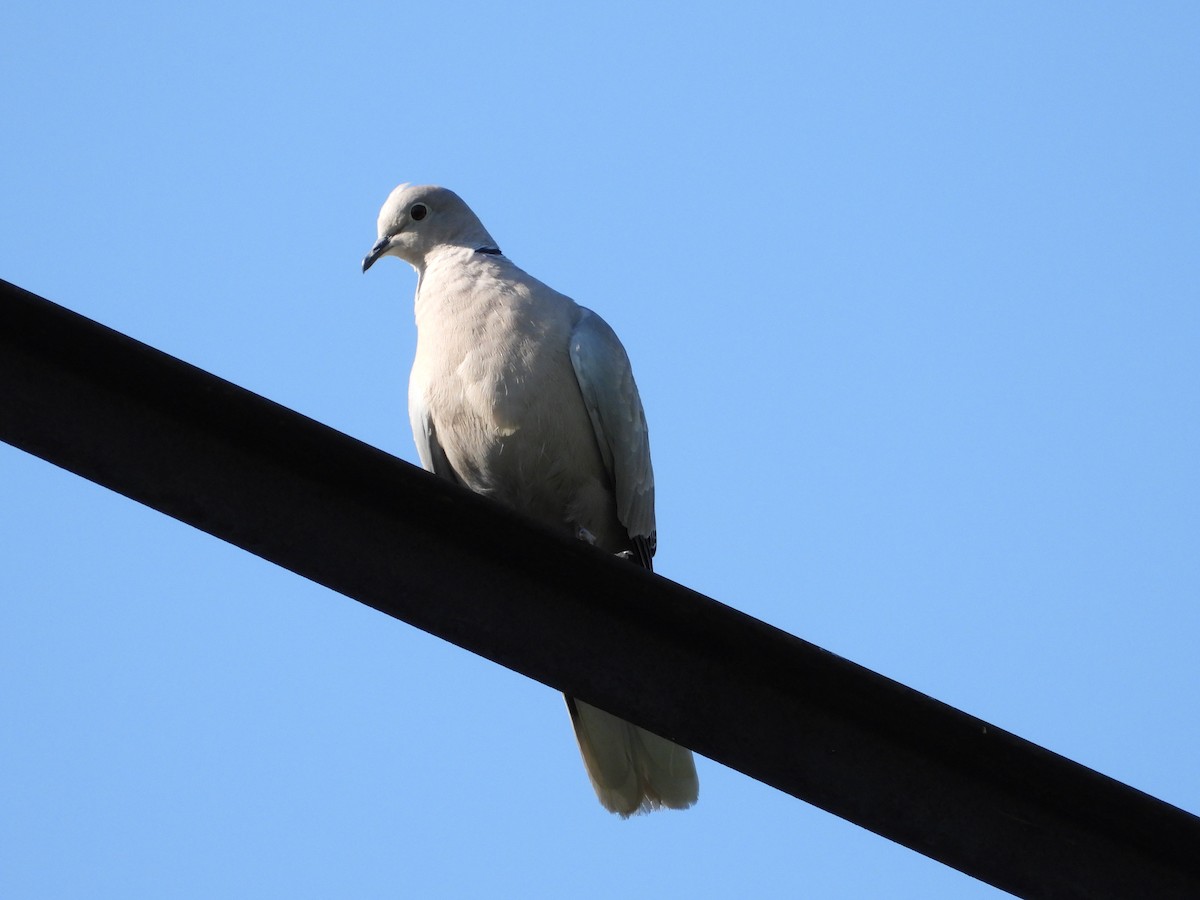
632	770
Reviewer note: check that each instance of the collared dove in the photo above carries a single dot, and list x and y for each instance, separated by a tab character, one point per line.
519	393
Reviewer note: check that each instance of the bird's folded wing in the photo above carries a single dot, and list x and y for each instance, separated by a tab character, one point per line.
611	396
433	457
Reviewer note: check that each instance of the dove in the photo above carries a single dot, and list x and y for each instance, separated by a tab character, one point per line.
520	394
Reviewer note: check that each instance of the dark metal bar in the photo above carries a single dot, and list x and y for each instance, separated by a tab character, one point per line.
775	707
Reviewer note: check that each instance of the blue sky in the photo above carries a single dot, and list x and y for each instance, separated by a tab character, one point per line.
911	295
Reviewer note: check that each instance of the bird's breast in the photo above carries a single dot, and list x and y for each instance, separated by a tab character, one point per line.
504	401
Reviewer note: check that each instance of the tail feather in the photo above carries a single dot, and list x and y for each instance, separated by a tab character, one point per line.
631	769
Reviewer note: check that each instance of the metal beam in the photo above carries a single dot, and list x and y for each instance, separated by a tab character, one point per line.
735	689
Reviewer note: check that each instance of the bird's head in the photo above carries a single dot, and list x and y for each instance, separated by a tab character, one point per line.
417	219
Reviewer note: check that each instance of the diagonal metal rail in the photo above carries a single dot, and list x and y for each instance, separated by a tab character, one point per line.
737	690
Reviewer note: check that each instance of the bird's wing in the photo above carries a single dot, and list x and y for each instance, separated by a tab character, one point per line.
433	457
611	396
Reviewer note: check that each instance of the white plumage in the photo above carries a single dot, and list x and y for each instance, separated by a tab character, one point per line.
519	393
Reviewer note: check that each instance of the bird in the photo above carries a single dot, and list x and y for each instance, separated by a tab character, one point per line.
520	394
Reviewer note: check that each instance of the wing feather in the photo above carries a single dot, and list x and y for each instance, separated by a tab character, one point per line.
433	457
606	381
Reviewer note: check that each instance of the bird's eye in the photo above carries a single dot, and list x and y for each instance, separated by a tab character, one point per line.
418	211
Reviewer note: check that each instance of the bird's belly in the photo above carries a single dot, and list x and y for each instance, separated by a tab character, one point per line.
532	449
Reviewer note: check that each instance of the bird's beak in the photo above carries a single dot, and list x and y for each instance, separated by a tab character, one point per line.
380	248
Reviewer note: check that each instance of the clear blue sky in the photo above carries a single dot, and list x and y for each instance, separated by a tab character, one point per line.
912	293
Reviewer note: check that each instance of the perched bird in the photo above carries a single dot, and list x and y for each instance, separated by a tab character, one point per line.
519	393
